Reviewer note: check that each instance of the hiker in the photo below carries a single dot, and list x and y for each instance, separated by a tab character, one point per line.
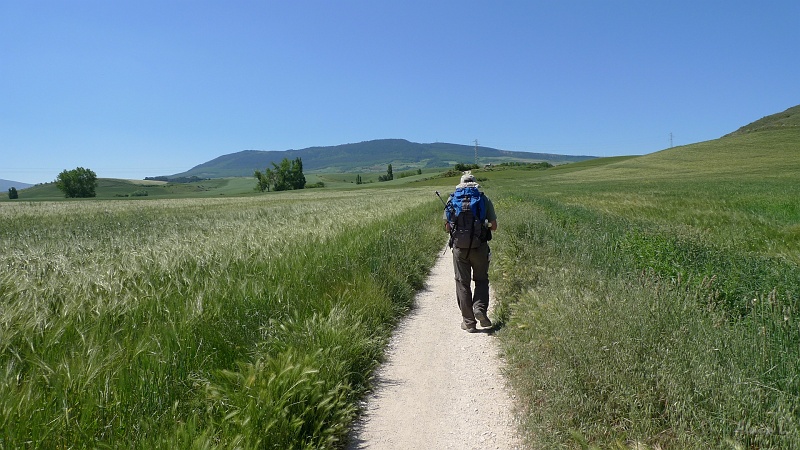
470	219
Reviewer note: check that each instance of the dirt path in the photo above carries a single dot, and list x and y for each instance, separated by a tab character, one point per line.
441	387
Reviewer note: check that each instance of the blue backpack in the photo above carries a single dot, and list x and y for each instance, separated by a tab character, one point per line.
466	212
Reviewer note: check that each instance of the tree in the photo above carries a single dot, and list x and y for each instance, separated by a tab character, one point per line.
294	173
282	177
269	174
298	179
12	193
389	175
78	182
262	182
359	180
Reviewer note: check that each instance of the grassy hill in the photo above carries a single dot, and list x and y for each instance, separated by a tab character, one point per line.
780	121
735	156
369	156
654	300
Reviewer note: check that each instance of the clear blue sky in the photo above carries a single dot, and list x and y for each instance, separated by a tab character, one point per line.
142	88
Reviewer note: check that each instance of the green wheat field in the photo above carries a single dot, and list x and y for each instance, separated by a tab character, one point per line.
642	302
202	323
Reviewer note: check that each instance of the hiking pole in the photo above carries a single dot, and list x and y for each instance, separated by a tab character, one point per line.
440	198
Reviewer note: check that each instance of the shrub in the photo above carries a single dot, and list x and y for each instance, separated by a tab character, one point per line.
451	173
463	167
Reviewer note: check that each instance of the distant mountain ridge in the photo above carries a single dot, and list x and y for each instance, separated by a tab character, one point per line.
5	185
367	156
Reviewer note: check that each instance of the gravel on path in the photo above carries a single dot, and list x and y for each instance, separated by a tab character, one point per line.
440	387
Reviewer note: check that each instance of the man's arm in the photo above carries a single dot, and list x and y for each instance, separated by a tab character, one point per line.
491	215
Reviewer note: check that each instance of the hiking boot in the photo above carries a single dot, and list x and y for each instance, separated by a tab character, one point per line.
481	316
467	328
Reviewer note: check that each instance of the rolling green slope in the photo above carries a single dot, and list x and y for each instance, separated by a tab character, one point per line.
741	156
655	301
784	120
112	188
